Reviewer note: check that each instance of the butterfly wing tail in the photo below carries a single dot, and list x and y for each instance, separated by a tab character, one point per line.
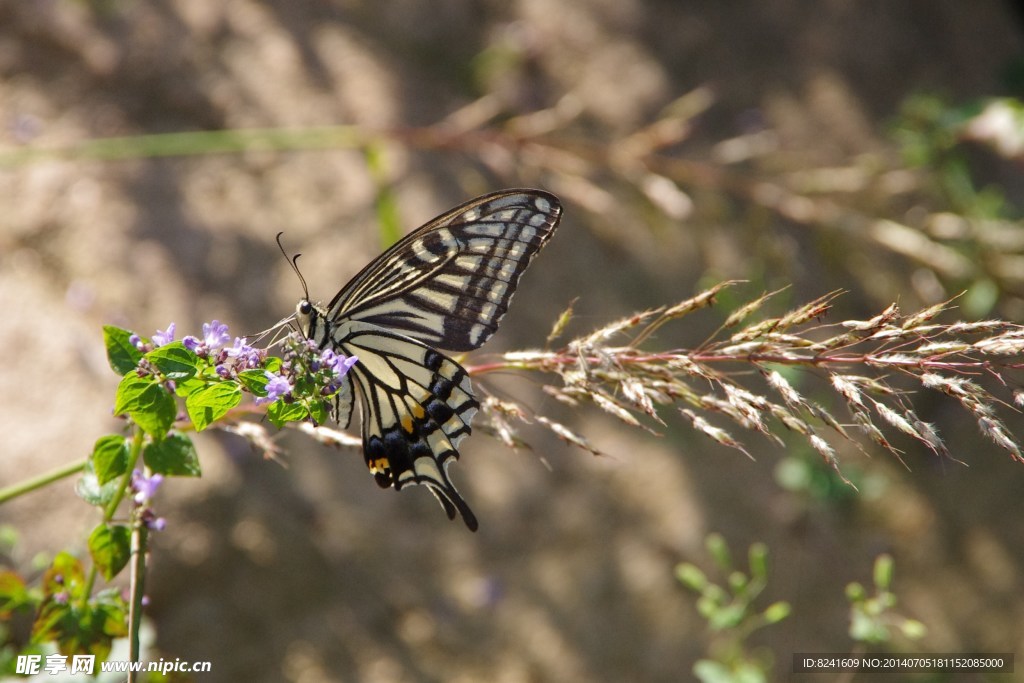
417	405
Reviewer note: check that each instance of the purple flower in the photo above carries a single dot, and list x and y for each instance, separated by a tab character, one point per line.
145	487
215	337
239	348
135	341
338	363
161	337
244	355
277	386
152	522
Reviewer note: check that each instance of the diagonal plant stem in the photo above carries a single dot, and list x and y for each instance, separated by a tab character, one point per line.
38	482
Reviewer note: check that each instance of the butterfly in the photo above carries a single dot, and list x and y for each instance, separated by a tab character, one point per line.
443	288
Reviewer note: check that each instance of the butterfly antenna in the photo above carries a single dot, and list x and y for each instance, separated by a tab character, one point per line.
278	330
293	262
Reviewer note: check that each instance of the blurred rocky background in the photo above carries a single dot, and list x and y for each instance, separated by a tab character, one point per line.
790	144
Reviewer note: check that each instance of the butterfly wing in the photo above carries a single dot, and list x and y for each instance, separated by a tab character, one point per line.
416	405
449	283
444	286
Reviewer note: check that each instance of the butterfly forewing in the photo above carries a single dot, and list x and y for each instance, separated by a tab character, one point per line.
449	283
444	286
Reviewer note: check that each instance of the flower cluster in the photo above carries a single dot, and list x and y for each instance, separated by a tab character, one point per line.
228	360
297	386
318	371
160	338
214	345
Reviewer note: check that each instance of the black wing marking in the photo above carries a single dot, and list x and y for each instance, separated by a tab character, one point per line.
416	405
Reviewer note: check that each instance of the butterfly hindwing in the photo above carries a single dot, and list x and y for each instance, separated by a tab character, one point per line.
416	404
445	286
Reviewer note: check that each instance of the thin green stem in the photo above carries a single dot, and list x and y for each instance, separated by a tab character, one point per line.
108	513
21	488
189	144
133	457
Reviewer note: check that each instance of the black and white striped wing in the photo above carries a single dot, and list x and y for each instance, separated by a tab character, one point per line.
416	405
449	283
444	286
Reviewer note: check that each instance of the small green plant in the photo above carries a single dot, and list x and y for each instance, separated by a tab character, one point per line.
732	615
873	620
167	389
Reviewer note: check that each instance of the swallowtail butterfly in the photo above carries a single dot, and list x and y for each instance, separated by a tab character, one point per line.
443	288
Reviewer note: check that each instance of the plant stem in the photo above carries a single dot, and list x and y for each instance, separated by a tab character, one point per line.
549	361
133	457
42	480
137	588
111	509
189	143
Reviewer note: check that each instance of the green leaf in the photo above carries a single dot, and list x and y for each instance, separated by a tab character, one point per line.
110	457
110	547
91	491
710	671
174	361
719	550
173	456
63	586
64	575
187	386
14	594
147	402
121	353
776	612
758	561
738	582
81	629
727	616
318	412
210	403
691	576
111	608
280	413
883	570
913	629
255	381
867	630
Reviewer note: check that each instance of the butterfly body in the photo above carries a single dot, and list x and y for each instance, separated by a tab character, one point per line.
443	288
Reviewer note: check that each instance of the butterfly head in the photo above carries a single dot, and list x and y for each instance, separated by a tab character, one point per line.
308	316
310	319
